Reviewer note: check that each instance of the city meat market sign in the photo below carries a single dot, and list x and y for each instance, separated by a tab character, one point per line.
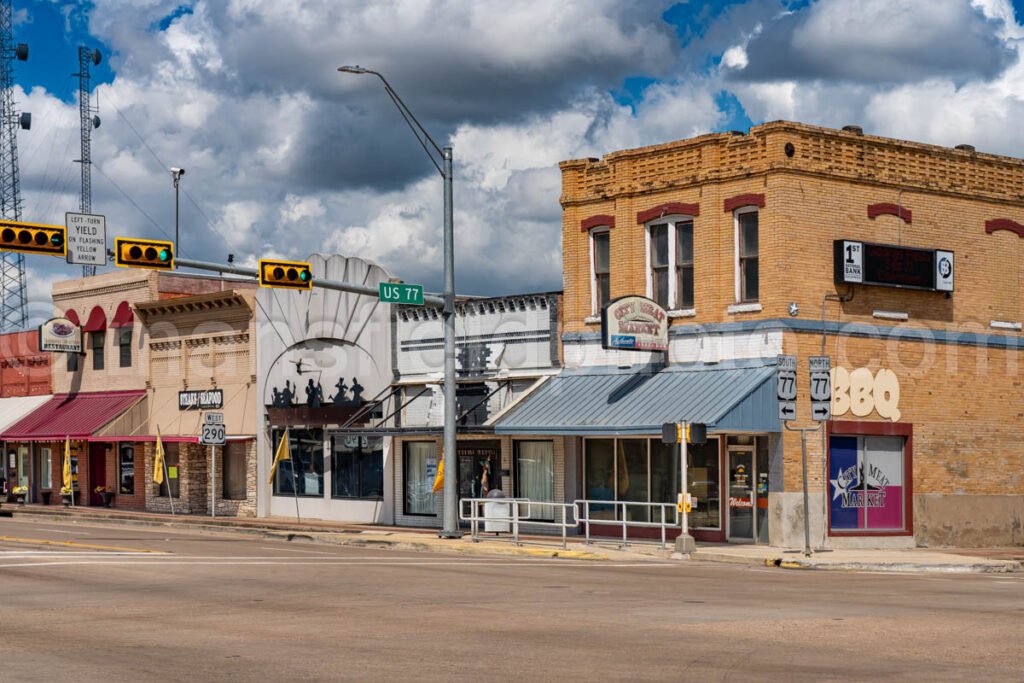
634	323
201	400
60	335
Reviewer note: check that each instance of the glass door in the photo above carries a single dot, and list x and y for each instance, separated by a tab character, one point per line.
741	494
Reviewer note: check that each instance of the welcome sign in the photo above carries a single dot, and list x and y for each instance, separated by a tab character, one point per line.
634	323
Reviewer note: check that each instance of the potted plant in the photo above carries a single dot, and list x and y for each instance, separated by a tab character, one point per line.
20	493
66	494
106	493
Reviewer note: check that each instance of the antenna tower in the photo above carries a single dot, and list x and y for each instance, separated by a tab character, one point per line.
89	119
14	306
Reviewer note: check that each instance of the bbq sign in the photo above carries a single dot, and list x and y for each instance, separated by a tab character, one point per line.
634	323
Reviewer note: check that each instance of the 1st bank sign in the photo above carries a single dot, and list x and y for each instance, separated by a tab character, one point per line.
634	323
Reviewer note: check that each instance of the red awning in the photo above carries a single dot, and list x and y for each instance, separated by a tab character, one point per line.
97	320
123	317
71	415
72	316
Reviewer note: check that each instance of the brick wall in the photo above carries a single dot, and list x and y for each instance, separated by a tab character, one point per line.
194	481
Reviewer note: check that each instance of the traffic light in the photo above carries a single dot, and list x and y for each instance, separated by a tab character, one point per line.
696	433
32	238
134	253
285	274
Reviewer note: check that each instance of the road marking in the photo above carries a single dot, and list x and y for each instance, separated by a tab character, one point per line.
62	531
292	550
75	544
154	561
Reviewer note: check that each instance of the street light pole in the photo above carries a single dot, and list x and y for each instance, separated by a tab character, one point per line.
450	528
176	174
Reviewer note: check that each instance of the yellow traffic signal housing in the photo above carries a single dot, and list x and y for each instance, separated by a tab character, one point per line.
285	274
135	253
33	238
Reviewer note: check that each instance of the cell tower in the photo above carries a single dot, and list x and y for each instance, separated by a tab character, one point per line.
89	119
14	307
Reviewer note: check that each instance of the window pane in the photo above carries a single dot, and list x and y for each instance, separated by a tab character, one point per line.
684	243
126	469
420	472
46	466
96	339
883	482
73	362
748	234
357	467
631	471
604	291
125	343
659	245
304	472
535	475
660	287
750	280
665	478
234	475
601	248
685	287
599	476
702	478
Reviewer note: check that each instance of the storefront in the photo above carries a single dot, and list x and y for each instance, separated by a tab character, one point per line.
324	373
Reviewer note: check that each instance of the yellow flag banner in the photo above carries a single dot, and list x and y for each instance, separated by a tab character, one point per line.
439	479
158	461
67	464
282	454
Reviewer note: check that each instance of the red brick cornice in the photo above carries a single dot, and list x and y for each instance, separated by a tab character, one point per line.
741	200
890	210
1004	224
597	221
667	209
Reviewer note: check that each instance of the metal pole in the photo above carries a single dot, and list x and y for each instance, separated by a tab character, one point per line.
213	481
177	178
295	478
686	486
807	503
451	502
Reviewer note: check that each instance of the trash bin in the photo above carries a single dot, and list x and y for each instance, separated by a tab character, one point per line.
496	515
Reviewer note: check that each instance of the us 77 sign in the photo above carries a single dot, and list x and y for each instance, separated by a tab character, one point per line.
785	387
401	293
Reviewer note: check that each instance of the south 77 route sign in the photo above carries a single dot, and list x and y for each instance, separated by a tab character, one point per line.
785	387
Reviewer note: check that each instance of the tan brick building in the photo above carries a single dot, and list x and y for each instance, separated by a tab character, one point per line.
734	235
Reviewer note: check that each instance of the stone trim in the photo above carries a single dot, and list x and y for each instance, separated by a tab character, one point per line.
667	209
875	210
599	221
1004	224
741	200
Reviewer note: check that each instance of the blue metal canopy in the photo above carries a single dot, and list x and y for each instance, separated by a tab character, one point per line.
735	397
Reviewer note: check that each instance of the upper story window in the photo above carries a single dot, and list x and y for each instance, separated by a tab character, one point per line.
124	343
600	243
746	255
96	342
670	261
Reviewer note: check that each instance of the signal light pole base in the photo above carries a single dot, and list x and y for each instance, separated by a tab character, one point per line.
458	533
685	544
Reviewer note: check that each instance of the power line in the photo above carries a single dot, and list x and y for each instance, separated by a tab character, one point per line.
135	204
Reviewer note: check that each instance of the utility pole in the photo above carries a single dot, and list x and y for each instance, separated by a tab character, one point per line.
14	313
88	119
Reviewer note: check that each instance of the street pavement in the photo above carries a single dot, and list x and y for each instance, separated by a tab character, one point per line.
103	602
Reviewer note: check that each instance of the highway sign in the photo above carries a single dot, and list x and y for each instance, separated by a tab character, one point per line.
213	435
87	239
213	418
401	293
821	388
785	386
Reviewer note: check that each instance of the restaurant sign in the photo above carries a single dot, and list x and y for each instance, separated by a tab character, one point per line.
634	323
201	399
60	335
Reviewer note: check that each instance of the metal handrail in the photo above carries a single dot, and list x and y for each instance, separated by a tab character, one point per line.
622	505
515	516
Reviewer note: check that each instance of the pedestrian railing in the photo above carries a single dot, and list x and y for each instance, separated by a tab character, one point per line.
511	513
616	513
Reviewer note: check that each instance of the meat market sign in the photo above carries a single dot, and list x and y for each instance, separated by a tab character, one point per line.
634	323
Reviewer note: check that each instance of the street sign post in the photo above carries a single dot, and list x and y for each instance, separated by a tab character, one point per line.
87	239
213	435
401	293
821	388
785	387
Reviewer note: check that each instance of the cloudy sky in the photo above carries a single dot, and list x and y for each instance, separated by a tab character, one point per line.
285	156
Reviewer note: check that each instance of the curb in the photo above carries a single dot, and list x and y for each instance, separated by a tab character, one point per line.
994	567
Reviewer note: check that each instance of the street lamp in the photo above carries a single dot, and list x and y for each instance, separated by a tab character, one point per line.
176	174
450	527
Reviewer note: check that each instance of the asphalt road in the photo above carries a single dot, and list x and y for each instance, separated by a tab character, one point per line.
118	603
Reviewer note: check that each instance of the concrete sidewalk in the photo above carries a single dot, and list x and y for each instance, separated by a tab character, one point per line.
402	538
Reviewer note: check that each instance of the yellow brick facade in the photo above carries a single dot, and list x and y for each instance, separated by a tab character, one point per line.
961	390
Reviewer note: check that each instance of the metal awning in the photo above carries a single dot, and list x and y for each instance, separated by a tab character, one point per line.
604	401
77	416
14	409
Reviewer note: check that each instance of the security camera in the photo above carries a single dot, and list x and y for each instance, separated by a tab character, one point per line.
177	171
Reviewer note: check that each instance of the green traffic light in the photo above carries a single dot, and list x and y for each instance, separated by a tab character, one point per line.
57	239
165	255
304	275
